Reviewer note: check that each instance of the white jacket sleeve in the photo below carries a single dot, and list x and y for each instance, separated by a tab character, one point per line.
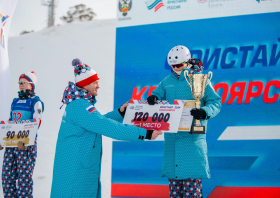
38	111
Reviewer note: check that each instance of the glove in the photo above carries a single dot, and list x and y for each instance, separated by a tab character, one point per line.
149	134
122	113
123	107
198	114
152	99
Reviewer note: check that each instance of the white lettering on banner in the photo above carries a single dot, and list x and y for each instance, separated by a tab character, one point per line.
152	125
251	133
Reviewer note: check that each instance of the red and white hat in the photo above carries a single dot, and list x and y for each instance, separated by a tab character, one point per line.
30	77
84	75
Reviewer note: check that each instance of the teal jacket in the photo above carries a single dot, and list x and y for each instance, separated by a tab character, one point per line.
185	154
76	171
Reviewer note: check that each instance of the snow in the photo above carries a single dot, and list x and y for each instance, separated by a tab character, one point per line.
49	53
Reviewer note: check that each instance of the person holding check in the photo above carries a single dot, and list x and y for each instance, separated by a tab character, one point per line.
185	160
77	164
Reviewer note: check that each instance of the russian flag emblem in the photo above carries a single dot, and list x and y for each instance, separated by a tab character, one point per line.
91	109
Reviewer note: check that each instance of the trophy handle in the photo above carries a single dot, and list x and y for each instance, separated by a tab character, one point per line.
186	76
210	74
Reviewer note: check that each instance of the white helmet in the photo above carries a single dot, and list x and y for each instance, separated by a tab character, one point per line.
178	54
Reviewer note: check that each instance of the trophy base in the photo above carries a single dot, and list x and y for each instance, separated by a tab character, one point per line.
198	130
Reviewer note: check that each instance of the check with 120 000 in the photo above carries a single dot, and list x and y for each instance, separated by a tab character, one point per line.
164	116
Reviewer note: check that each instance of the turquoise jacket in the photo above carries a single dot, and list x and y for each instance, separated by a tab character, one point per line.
185	154
76	171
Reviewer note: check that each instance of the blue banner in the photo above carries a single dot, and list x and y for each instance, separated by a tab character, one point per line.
243	53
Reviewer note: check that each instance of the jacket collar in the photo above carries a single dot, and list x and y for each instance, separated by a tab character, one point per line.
182	76
72	92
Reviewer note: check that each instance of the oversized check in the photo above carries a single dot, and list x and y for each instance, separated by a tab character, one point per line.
164	116
10	134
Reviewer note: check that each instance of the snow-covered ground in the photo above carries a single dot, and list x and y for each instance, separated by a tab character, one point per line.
49	53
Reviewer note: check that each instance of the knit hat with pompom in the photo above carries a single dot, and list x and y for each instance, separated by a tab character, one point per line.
30	77
84	75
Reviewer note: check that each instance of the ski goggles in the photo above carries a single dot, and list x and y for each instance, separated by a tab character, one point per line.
23	82
179	65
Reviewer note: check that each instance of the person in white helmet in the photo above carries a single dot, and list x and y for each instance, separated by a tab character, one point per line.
185	160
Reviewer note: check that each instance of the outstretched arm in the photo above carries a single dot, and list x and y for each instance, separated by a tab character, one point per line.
77	112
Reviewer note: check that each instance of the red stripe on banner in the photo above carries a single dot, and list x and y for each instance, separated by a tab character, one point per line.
131	101
248	192
1	32
139	190
176	102
2	122
158	6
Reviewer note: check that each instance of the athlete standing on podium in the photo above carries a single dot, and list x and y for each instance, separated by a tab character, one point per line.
185	160
19	162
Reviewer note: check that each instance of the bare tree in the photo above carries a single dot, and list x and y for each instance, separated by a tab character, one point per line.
78	13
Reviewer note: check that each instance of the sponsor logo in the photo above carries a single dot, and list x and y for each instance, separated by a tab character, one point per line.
124	7
3	127
3	20
154	4
91	109
177	107
39	111
132	107
169	86
21	101
138	107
